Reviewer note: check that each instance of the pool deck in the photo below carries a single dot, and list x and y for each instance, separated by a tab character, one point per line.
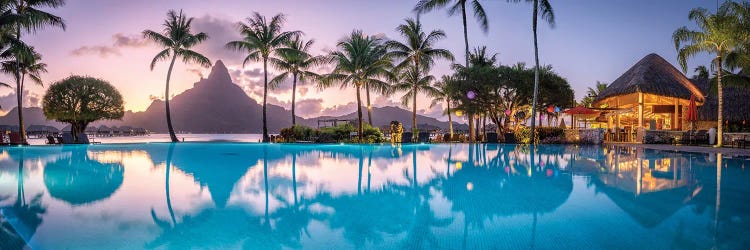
726	151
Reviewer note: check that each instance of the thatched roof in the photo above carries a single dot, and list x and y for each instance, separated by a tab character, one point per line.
736	103
652	75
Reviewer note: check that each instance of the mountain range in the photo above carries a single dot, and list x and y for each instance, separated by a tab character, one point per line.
216	105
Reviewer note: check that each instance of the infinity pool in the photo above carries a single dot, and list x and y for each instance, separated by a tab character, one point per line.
461	196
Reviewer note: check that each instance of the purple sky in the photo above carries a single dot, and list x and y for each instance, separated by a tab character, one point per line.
593	41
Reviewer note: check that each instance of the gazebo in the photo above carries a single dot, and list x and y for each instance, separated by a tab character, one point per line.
651	95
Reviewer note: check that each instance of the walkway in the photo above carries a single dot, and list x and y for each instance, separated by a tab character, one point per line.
731	152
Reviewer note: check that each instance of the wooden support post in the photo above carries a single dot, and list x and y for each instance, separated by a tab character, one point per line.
676	119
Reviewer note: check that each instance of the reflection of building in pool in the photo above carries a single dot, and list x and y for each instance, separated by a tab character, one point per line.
648	185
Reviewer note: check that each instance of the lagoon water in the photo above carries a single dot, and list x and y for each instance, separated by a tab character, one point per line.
225	195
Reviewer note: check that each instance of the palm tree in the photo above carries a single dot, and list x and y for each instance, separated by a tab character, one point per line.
26	15
454	6
260	39
442	94
424	6
716	35
548	15
414	82
417	55
29	64
701	72
176	40
361	61
592	93
296	60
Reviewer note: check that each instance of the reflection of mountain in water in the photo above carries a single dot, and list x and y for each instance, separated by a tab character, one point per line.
79	180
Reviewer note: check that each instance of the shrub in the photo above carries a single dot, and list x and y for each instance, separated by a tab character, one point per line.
543	135
296	133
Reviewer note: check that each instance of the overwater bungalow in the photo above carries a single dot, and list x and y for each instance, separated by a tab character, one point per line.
103	131
41	130
126	131
653	95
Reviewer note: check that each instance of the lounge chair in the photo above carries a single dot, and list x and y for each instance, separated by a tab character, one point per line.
701	137
83	138
423	137
67	138
687	138
15	138
492	138
741	142
406	137
51	139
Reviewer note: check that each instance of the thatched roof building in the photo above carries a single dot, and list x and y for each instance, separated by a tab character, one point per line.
651	75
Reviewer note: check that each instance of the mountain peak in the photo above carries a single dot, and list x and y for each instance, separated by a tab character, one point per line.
219	73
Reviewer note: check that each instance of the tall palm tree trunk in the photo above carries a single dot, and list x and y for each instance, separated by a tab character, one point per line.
414	128
172	135
720	132
166	184
536	73
369	108
265	95
359	115
294	94
19	93
450	119
472	137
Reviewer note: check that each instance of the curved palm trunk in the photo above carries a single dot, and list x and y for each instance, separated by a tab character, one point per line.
19	94
466	34
265	95
294	178
172	135
359	176
536	73
359	115
166	184
369	109
265	179
414	128
720	130
294	94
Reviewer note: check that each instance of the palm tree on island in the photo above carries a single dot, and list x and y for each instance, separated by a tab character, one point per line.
418	56
28	65
716	34
26	15
548	15
359	61
295	60
176	40
261	39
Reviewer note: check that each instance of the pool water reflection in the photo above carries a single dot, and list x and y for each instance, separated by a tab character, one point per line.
255	196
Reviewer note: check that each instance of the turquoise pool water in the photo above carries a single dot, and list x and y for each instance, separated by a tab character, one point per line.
461	196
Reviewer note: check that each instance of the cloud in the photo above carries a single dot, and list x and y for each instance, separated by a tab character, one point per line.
119	41
382	101
303	91
101	51
219	31
338	110
198	72
309	107
9	101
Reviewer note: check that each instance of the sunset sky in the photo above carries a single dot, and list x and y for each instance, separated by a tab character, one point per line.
593	41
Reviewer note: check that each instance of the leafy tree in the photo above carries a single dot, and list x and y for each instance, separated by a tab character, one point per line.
360	61
260	39
176	40
296	60
16	17
716	34
80	100
548	15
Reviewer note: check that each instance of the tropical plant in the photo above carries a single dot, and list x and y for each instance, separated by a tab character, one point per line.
360	61
25	15
716	34
28	64
261	38
701	72
295	60
417	56
454	6
592	93
79	101
442	94
547	14
414	82
176	40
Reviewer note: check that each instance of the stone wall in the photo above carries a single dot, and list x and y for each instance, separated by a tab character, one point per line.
660	136
584	136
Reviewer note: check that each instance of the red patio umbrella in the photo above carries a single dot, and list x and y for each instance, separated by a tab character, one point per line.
692	112
579	110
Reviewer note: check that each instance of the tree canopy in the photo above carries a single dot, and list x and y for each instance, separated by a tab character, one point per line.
80	100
